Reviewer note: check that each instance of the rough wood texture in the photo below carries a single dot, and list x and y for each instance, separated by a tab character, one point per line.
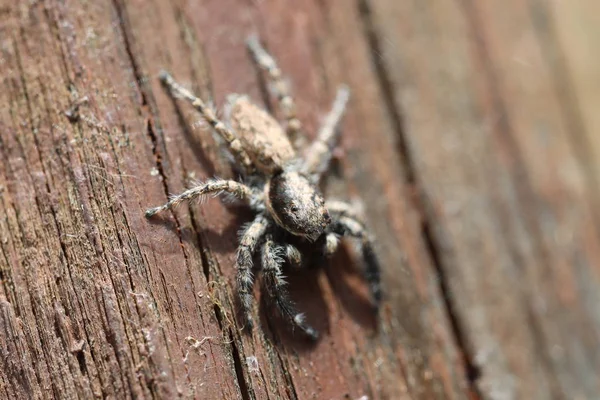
469	137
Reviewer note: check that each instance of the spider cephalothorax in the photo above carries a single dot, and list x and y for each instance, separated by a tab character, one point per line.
296	205
291	212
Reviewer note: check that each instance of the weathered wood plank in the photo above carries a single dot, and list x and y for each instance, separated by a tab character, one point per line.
574	31
97	301
469	138
504	194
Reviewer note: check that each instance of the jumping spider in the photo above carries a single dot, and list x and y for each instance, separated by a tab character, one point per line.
293	221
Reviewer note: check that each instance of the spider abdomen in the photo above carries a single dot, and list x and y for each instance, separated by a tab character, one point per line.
261	135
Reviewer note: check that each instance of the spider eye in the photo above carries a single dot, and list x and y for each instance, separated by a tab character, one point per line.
295	209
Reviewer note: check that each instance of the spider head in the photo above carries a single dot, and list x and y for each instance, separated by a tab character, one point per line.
297	205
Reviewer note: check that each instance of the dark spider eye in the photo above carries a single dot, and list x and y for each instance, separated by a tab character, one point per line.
295	209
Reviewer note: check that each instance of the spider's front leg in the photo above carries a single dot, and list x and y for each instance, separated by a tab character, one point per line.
293	256
346	226
344	209
339	209
250	239
275	286
237	189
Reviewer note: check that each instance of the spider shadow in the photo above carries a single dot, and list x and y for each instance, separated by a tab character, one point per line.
194	139
221	242
350	287
306	293
341	271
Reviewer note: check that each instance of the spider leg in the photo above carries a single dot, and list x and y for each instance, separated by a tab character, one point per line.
234	188
331	244
346	226
293	256
275	285
250	239
318	154
235	145
286	102
339	209
344	209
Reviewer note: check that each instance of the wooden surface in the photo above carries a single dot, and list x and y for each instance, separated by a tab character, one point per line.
471	138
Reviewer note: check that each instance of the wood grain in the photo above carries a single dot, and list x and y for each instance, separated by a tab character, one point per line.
469	140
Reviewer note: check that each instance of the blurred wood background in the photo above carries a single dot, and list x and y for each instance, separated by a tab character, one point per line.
472	138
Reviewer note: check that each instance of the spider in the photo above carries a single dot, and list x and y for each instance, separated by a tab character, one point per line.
293	222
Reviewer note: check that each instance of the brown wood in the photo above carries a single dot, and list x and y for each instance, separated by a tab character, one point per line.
471	138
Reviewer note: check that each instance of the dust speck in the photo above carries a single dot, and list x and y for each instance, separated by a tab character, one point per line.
252	364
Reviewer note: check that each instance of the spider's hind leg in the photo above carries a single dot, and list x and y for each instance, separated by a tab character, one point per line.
210	116
318	154
275	286
286	102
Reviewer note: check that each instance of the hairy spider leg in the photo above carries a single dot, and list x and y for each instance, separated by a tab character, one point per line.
275	285
286	102
234	188
292	256
318	154
250	239
331	244
235	145
344	209
346	226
